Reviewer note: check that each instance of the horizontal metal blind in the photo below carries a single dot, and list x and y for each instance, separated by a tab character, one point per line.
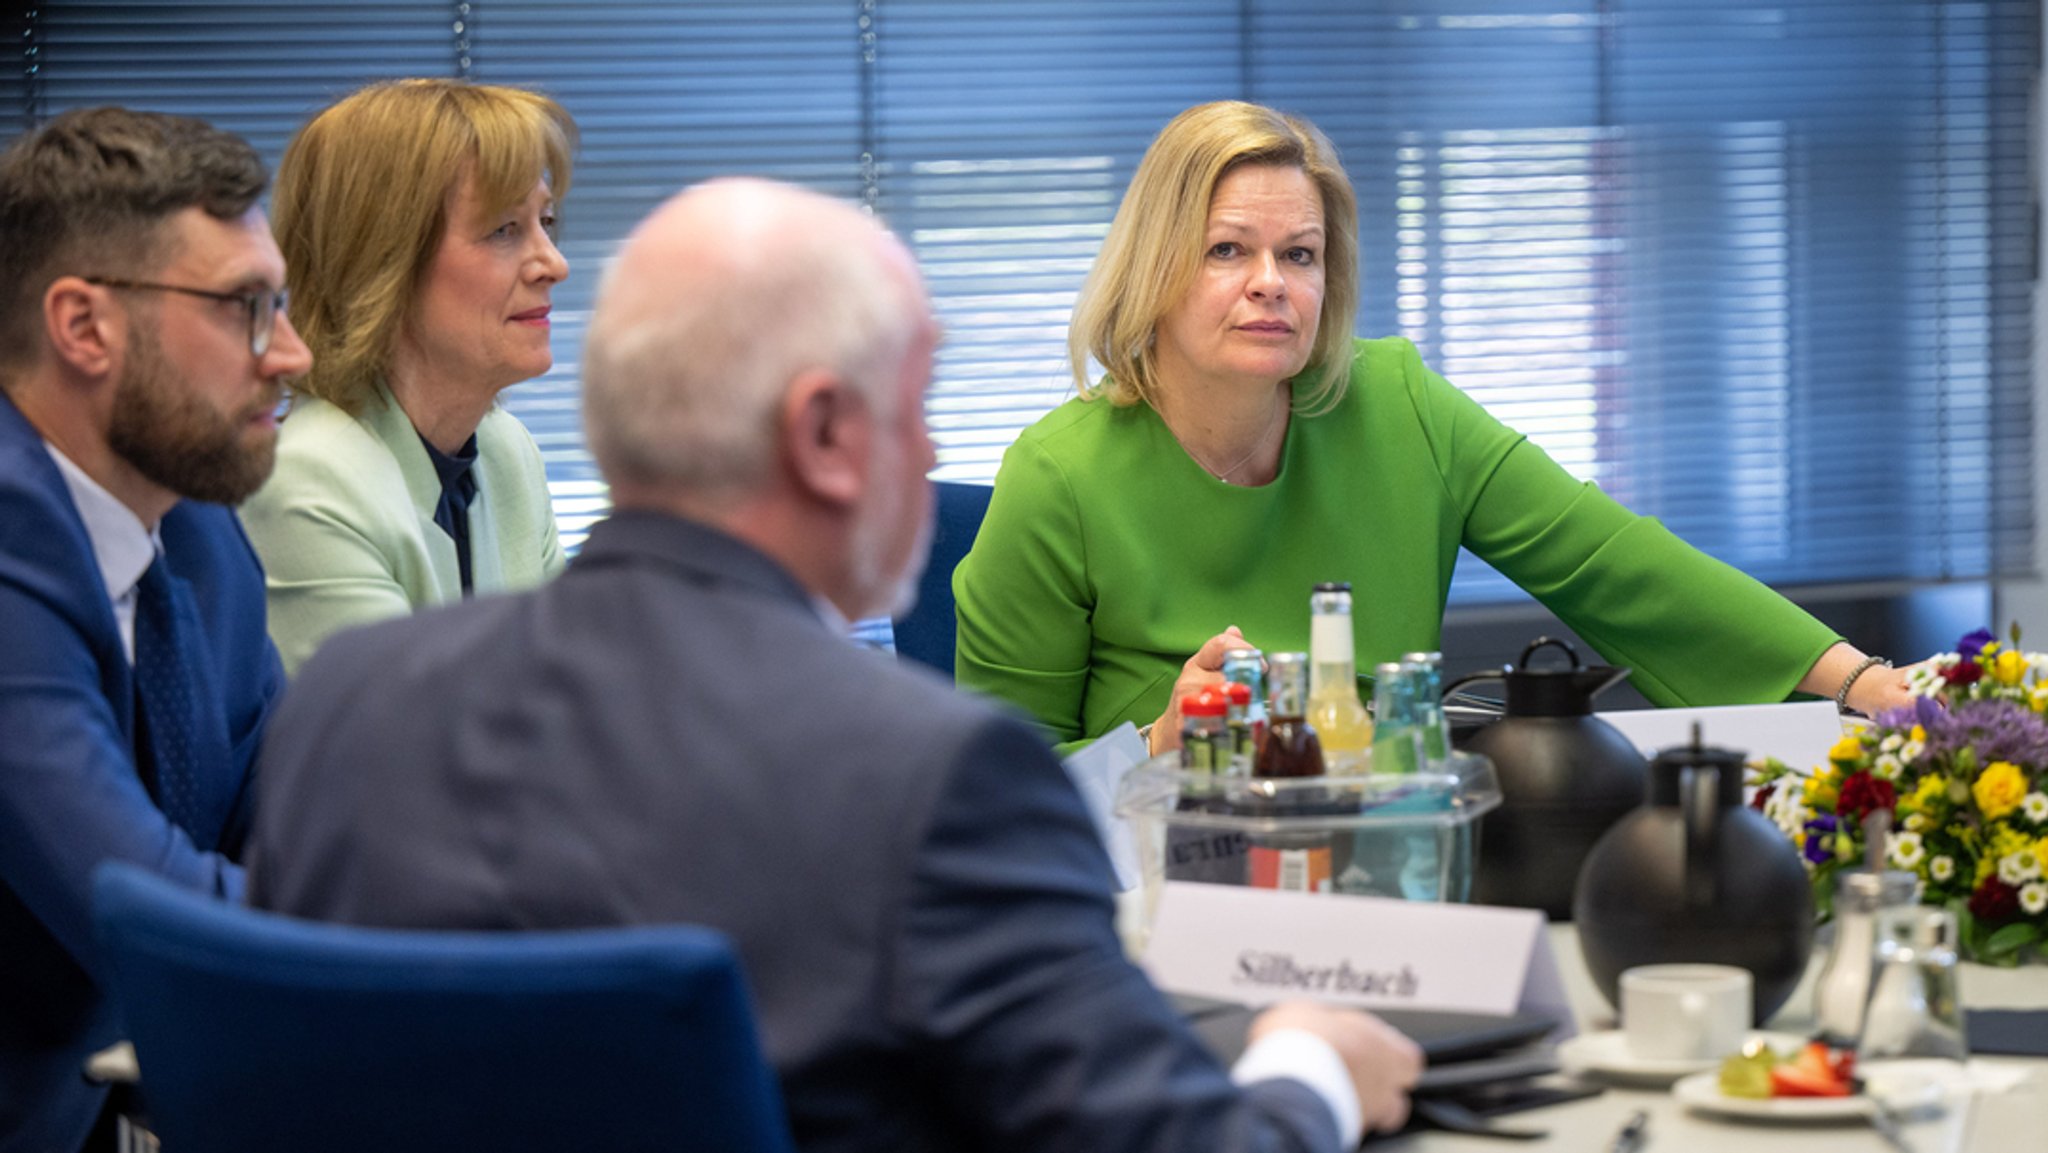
665	95
1761	270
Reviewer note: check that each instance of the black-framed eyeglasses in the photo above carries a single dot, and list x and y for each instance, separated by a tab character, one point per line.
261	305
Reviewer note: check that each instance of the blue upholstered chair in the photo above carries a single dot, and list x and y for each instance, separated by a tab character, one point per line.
926	634
259	1032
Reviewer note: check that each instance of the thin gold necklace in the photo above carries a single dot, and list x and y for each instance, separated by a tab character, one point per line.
1224	474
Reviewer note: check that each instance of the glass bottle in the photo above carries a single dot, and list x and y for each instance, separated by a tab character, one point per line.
1338	716
1292	748
1425	673
1205	741
1841	993
1246	667
1243	738
1196	851
1397	737
1295	860
1914	1010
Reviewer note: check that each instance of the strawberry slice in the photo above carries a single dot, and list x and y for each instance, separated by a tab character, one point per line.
1801	1079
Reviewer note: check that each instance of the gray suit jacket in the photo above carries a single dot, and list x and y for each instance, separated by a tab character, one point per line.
668	733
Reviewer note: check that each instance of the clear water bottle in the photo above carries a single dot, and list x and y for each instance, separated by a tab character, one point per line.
1425	673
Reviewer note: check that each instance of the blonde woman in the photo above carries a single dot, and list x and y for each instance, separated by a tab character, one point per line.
1244	446
417	220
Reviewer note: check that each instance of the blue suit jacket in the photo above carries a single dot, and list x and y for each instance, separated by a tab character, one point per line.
70	797
668	733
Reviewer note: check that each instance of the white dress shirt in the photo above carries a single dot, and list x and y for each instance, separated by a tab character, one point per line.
121	543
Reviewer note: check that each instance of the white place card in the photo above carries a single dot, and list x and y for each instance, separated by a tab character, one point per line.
1799	733
1258	946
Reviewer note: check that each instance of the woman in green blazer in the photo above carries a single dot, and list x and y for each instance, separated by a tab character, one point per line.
416	218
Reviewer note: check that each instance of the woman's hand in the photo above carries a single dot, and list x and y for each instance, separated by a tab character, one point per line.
1201	670
1874	690
1879	689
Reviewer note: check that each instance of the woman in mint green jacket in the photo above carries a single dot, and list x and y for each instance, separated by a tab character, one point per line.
1243	446
416	218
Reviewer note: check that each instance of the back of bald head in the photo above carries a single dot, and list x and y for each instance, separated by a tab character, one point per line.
715	303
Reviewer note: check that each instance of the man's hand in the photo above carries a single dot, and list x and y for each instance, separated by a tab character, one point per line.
1384	1064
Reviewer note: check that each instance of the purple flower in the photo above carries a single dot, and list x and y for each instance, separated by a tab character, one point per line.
1924	711
1998	730
1820	838
1973	643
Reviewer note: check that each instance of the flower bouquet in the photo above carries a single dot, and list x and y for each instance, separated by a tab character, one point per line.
1962	773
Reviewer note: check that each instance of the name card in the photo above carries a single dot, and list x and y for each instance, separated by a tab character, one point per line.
1799	733
1257	946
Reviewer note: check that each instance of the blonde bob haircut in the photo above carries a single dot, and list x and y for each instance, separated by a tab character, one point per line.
1154	249
362	201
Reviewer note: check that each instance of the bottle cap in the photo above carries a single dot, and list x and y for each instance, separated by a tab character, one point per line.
1206	702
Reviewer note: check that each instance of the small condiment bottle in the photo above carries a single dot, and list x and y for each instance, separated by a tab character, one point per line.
1205	741
1841	994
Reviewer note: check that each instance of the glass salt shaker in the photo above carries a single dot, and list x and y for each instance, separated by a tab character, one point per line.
1842	992
1914	1008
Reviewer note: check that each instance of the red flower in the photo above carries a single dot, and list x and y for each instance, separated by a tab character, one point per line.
1762	797
1994	900
1963	673
1863	794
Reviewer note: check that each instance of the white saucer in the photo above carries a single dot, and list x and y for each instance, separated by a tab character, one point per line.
1607	1054
1904	1086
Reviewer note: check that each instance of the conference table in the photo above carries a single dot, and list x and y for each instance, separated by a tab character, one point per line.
1995	1122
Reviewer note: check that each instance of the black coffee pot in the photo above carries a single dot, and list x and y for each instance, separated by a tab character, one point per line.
1565	777
1694	875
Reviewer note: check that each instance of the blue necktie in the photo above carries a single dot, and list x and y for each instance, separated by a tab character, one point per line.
182	720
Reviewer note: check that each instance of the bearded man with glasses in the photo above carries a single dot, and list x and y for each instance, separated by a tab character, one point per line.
143	357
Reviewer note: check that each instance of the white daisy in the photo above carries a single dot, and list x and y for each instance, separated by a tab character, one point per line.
1941	868
2020	867
1787	807
1911	750
1905	850
2034	898
1916	822
2035	806
1890	743
1886	767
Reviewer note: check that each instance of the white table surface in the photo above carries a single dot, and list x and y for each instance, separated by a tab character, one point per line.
2009	1122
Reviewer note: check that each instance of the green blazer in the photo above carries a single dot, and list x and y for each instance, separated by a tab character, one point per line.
346	528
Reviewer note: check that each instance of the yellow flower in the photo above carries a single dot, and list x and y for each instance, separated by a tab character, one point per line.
1847	751
1918	735
2003	842
2010	667
1821	790
1999	789
1932	788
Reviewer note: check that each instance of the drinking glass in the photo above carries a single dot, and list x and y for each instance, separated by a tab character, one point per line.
1911	1051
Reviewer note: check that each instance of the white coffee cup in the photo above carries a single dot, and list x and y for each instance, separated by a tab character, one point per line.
1684	1012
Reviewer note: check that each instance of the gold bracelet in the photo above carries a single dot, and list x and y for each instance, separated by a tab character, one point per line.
1863	666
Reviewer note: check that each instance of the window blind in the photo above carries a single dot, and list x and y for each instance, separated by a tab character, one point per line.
1760	269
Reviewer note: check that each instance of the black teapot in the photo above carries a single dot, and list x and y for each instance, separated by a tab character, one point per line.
1695	875
1565	777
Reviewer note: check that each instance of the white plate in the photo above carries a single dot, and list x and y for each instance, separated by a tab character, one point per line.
1905	1086
1607	1054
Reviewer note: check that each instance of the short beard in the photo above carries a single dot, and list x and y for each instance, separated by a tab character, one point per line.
165	431
897	593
